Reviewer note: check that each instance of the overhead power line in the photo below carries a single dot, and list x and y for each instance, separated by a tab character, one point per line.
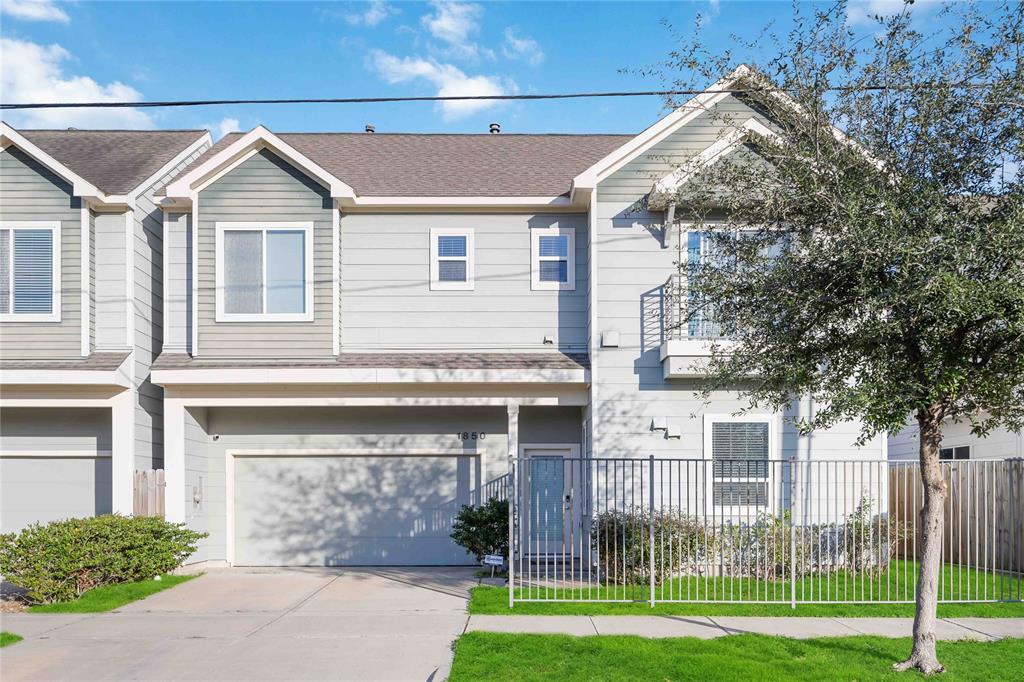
452	98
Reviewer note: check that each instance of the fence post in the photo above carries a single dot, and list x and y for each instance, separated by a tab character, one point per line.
513	498
792	534
650	522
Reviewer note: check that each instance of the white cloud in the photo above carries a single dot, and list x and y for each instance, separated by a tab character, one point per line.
34	10
34	73
516	47
226	125
446	78
455	24
863	12
376	12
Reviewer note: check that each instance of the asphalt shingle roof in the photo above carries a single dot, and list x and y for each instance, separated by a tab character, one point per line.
116	161
102	362
437	165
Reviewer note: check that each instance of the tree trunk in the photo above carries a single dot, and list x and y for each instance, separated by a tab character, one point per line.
922	656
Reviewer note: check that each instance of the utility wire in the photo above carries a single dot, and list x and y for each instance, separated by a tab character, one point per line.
457	98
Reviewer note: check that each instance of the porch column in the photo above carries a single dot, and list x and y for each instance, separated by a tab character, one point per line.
122	452
174	460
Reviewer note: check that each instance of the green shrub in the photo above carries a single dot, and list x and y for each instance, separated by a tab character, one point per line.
484	529
62	560
621	541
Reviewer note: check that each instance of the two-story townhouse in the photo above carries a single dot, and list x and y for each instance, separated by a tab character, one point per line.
371	327
362	332
80	316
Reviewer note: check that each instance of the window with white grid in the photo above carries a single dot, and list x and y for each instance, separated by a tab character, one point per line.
451	259
30	271
553	256
739	473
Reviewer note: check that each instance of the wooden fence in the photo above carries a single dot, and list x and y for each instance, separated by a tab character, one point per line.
984	512
148	498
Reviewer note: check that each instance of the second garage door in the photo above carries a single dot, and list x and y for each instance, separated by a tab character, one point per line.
293	510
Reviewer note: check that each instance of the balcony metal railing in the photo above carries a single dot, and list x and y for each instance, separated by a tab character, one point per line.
682	316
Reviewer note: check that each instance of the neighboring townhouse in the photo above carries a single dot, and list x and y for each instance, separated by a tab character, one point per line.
959	443
361	331
80	309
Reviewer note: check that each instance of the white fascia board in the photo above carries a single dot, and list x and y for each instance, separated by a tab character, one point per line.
63	377
185	185
469	202
320	375
689	110
201	141
714	152
80	186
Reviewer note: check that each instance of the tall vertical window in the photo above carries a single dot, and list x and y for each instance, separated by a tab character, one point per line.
451	259
740	469
553	255
30	271
264	272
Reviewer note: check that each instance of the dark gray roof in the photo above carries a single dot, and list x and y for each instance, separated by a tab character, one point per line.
116	161
97	362
551	360
438	165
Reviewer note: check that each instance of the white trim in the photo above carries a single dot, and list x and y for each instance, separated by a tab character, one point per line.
66	377
185	186
708	455
55	454
535	258
85	260
594	334
122	465
688	111
573	448
369	375
567	399
336	278
712	154
435	283
129	278
474	202
56	246
80	186
307	229
165	270
192	271
231	454
201	141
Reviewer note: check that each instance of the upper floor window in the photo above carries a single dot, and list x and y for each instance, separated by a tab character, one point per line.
264	272
451	259
553	257
30	271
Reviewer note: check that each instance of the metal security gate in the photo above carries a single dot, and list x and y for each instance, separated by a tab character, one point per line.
757	530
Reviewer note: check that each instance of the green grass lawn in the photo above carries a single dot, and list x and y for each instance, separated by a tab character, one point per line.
110	597
500	656
841	588
8	638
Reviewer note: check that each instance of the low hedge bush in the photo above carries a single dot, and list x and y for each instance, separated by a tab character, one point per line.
482	529
60	561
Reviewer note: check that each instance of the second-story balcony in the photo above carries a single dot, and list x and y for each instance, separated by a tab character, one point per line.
688	331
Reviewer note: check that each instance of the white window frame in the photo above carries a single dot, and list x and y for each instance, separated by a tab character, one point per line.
954	448
535	259
54	227
221	315
734	510
435	269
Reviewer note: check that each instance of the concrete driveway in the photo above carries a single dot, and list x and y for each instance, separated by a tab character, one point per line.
257	624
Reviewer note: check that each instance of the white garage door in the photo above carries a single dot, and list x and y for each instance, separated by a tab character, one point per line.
349	510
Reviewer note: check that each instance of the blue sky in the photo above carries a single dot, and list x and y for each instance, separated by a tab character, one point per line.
82	51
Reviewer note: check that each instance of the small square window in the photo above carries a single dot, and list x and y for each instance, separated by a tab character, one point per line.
451	259
553	255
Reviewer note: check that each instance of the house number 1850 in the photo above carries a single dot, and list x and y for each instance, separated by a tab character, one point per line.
472	435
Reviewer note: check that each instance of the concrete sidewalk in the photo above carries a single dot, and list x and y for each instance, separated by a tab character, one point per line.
981	629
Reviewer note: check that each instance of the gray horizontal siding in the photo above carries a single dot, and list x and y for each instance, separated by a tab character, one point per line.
264	188
633	264
28	191
386	301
